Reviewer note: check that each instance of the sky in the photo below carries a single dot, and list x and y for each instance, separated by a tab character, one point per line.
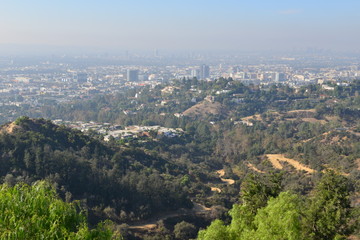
182	24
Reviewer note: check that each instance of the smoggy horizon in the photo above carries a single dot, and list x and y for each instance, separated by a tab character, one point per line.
94	26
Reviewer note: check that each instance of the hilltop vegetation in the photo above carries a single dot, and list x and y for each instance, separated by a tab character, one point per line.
229	128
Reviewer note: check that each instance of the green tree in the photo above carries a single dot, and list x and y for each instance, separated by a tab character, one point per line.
217	230
255	192
35	212
242	223
329	213
280	219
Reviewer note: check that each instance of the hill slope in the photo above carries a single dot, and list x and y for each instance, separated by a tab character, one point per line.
109	180
205	109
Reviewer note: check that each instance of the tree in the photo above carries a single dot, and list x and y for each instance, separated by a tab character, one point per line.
280	219
35	212
217	230
255	192
184	230
242	223
328	216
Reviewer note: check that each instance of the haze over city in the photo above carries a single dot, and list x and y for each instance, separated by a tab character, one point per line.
179	119
95	26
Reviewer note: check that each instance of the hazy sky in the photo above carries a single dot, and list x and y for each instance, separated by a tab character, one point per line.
183	24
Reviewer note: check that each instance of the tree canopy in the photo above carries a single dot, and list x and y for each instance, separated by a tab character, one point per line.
36	212
325	215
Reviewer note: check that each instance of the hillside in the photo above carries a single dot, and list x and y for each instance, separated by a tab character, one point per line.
106	178
205	109
244	131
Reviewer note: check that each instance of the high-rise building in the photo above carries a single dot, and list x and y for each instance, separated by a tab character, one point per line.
132	75
204	71
277	77
143	77
195	73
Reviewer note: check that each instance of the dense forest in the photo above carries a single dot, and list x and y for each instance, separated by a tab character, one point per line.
268	162
84	168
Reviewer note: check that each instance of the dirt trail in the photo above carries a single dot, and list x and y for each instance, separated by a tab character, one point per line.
256	117
324	134
215	189
314	120
151	224
312	110
148	226
221	172
197	209
252	167
275	159
327	133
225	180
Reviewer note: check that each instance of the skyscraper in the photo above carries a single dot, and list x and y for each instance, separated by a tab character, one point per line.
195	73
204	71
132	75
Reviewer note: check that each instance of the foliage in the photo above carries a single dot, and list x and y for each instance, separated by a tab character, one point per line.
35	212
255	192
84	168
184	230
217	230
280	219
326	215
329	210
133	180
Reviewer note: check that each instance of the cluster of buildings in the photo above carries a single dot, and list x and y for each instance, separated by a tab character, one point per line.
38	84
118	132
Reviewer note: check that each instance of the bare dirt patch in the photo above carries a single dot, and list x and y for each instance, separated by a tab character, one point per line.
275	160
10	128
204	108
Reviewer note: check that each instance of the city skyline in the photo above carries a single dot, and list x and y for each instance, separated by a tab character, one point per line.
179	25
